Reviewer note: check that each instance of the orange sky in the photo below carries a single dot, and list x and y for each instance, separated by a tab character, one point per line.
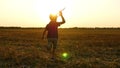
78	13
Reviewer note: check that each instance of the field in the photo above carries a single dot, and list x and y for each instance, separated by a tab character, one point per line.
86	48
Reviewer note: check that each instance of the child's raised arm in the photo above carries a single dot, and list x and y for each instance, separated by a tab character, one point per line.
63	19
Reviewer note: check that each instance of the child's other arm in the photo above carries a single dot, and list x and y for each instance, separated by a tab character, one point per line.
44	32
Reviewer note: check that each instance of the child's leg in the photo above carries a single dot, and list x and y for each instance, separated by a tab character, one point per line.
54	47
49	46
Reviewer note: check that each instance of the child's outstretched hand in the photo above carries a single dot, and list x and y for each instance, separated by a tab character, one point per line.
60	13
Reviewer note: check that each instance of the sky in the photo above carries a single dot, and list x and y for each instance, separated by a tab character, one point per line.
78	13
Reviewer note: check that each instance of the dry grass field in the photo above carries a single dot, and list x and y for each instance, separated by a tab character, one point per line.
87	48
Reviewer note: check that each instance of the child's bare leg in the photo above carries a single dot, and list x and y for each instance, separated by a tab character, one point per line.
54	48
53	53
49	46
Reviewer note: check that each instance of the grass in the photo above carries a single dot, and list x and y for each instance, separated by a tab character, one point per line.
87	48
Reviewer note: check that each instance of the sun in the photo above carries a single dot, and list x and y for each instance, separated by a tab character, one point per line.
45	7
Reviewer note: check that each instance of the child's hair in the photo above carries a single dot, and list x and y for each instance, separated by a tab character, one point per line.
53	16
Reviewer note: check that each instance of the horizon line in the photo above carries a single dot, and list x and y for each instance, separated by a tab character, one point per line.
59	27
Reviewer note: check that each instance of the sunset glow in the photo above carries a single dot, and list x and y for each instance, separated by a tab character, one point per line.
47	7
78	13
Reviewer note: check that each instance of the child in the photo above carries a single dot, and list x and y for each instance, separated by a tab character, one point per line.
52	32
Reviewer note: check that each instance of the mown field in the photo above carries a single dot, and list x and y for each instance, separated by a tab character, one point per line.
87	48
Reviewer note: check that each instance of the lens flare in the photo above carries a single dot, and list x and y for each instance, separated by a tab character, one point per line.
65	55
